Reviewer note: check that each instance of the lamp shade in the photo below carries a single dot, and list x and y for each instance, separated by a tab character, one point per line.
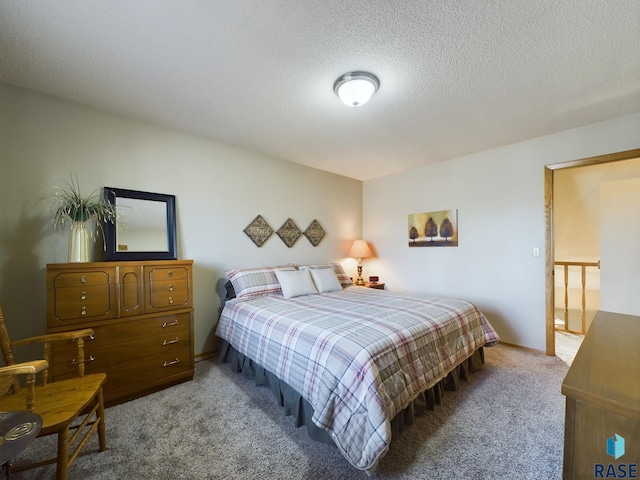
356	88
360	249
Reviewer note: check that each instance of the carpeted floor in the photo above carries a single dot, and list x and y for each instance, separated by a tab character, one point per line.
506	422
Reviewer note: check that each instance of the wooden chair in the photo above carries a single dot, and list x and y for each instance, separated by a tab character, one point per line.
74	404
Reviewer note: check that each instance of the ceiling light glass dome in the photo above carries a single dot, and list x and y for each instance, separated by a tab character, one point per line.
356	88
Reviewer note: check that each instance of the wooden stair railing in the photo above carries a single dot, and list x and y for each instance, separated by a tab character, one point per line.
583	267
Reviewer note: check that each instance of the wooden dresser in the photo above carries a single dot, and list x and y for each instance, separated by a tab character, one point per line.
603	400
142	314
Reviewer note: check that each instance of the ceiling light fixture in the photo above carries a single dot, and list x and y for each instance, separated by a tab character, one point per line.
356	88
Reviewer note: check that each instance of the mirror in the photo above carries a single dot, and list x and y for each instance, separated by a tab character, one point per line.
146	226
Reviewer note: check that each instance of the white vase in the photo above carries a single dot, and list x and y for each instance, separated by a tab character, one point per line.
78	243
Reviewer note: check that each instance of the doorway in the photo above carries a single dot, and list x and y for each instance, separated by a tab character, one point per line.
549	242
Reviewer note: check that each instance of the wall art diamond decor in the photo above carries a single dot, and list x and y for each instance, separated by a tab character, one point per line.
434	229
289	232
258	231
314	233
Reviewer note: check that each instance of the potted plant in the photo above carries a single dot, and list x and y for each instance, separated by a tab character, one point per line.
68	203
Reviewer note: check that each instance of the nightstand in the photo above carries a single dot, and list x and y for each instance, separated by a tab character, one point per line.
377	286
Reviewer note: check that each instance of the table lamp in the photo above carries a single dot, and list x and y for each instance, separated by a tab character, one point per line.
360	249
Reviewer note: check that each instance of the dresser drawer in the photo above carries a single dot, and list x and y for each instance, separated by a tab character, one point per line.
167	295
80	294
81	304
157	273
167	288
150	367
83	277
128	372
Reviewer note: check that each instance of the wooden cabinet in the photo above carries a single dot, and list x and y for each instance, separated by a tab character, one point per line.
603	400
142	315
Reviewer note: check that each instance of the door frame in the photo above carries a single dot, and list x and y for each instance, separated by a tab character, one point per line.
549	245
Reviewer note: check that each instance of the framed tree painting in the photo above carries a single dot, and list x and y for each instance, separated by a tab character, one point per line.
433	229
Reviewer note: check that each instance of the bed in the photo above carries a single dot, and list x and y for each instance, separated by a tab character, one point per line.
350	362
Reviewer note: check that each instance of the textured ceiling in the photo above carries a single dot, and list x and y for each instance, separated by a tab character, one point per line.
456	77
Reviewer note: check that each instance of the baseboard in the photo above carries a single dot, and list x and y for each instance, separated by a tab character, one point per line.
205	355
520	347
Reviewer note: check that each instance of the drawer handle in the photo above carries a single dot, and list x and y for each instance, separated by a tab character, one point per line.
173	362
83	296
83	279
83	311
171	300
169	342
90	359
170	274
175	322
171	288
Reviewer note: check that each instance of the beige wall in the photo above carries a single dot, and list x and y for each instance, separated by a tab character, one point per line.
576	197
219	189
577	231
499	195
619	240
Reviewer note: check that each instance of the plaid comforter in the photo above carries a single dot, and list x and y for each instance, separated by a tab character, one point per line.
358	356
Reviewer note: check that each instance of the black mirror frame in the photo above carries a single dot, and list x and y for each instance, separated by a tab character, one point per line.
112	254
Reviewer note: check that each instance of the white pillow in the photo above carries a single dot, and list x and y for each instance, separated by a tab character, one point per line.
295	283
343	278
325	279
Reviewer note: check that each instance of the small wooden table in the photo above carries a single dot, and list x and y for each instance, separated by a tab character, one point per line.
17	430
377	286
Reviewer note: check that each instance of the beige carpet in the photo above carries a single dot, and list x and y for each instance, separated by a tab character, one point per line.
506	422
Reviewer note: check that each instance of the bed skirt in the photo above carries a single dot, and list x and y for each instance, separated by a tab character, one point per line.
302	410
